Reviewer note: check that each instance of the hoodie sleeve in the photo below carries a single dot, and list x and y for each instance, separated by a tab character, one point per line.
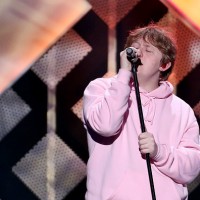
182	164
105	102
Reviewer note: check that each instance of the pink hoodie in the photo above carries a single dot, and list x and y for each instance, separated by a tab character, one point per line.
116	168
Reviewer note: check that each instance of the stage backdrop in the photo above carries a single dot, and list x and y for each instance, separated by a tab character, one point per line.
43	144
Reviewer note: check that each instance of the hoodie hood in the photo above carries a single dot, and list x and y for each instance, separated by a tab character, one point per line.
148	99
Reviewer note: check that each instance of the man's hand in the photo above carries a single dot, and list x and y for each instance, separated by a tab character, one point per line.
147	144
124	63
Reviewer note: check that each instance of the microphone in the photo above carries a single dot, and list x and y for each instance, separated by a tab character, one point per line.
131	54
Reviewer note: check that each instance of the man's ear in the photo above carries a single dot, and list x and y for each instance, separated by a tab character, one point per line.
165	67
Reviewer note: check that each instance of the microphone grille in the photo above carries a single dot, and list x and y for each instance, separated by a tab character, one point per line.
129	51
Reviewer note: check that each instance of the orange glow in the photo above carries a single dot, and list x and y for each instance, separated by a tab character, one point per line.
29	28
188	11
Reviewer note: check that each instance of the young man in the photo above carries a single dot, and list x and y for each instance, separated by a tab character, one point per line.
117	167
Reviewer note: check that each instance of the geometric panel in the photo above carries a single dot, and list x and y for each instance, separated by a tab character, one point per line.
36	24
94	32
112	11
187	11
12	110
188	55
61	58
78	107
51	169
188	51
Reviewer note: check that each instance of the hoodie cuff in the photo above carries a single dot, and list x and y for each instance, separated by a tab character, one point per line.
124	76
161	153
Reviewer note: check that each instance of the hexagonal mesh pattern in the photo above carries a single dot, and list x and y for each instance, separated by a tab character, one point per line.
12	110
61	58
188	42
112	11
42	168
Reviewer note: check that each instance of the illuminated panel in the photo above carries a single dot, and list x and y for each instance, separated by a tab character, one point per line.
188	11
29	28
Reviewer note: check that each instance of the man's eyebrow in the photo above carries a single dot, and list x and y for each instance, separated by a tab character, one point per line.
149	45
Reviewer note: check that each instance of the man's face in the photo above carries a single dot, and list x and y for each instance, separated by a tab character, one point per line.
150	57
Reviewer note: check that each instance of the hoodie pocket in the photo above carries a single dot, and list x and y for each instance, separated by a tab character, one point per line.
175	190
132	186
136	186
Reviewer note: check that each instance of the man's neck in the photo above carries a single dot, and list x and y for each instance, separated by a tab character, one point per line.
149	85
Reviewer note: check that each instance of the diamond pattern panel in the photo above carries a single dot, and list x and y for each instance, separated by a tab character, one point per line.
112	11
12	110
35	24
50	168
189	52
61	58
77	108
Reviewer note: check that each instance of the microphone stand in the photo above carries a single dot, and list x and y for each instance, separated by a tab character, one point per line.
134	64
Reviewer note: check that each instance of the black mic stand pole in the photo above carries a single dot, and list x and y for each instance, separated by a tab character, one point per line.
134	64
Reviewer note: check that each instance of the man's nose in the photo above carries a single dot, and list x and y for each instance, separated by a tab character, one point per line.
139	53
